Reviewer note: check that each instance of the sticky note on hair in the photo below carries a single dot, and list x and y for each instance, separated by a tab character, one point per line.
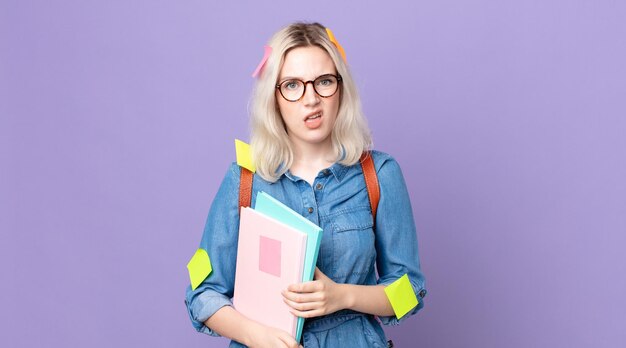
266	55
199	268
244	155
401	296
336	43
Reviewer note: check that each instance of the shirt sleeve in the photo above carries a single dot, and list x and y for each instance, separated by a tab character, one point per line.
396	238
220	241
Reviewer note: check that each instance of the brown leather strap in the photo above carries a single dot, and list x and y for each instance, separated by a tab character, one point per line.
245	188
371	182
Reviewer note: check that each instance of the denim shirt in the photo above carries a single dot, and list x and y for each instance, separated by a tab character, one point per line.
337	202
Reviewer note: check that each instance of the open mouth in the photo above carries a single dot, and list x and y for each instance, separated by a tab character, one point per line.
314	120
313	117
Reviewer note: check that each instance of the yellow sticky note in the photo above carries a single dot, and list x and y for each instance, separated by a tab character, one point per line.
244	155
401	296
199	268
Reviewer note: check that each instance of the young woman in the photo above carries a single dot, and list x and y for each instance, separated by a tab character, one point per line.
308	133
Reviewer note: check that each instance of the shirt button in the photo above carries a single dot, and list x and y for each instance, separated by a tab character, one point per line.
326	171
310	210
318	186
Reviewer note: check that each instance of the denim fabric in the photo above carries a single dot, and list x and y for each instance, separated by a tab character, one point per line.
348	253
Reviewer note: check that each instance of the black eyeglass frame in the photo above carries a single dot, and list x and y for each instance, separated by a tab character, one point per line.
339	81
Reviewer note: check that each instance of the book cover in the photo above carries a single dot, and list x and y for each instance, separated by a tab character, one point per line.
272	207
270	256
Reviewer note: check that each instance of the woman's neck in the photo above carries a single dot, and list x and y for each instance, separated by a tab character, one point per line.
310	160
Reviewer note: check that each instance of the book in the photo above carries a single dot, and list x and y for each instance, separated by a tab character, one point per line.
270	257
272	207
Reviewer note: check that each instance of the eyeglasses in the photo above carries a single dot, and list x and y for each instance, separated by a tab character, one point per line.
325	86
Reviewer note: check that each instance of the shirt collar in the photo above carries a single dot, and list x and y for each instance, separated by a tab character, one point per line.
290	176
337	170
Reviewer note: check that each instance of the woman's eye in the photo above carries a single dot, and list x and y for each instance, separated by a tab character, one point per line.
325	82
291	85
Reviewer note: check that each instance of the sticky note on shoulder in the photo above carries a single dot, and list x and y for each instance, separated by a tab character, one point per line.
244	155
401	296
199	268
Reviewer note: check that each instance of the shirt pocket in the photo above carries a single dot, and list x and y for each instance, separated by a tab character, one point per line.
353	245
354	219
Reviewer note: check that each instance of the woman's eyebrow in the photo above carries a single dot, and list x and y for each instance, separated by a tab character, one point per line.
302	78
290	78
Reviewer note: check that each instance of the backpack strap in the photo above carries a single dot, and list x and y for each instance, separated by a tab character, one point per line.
371	182
369	173
245	188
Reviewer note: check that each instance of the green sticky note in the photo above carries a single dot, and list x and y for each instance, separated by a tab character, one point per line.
199	268
244	155
401	296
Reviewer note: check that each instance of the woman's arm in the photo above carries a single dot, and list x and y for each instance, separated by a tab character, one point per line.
209	305
229	323
396	238
370	299
323	296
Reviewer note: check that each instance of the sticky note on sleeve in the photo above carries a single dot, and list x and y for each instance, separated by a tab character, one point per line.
199	268
244	155
401	296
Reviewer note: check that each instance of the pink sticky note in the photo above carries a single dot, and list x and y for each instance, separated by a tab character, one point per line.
269	256
268	51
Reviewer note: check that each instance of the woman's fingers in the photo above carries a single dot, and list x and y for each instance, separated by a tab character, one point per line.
308	314
288	340
305	306
304	297
319	274
312	299
311	286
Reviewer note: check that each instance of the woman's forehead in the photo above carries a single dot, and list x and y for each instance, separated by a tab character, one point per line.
307	63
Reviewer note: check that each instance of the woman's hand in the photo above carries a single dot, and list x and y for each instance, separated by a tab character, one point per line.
268	337
315	298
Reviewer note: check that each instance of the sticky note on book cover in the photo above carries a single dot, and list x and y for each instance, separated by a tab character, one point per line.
244	155
401	296
199	268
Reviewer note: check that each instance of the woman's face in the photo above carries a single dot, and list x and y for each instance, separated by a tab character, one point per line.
309	120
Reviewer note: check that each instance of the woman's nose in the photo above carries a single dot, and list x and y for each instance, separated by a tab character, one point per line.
310	97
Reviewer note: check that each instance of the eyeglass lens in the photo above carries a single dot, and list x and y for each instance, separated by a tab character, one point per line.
293	90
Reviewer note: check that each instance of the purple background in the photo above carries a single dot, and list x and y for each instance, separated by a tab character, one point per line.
507	117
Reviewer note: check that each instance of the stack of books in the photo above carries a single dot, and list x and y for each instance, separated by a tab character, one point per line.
277	247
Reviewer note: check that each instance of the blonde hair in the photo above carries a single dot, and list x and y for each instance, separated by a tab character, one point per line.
271	148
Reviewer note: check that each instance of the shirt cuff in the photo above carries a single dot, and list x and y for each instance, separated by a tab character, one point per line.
203	307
